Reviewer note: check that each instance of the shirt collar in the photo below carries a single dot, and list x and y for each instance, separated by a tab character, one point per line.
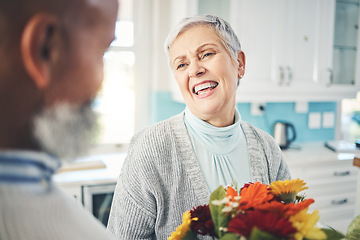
18	166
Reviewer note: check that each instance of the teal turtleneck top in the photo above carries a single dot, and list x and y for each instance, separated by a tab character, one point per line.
221	151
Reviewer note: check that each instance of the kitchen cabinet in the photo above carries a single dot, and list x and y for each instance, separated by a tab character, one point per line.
291	55
281	44
331	179
294	48
345	42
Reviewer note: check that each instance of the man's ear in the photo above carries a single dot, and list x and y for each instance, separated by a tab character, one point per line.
37	44
241	63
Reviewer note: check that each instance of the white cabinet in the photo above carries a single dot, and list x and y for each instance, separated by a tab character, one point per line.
289	47
73	191
346	38
331	179
281	44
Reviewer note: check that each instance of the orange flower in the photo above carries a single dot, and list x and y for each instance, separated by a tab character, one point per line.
231	192
254	195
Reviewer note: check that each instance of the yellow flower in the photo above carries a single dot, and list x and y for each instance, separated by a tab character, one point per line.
287	186
288	189
182	230
305	224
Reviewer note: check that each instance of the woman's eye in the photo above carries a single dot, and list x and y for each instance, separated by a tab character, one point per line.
208	54
180	66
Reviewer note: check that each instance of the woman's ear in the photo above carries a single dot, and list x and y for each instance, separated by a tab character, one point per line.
241	63
37	44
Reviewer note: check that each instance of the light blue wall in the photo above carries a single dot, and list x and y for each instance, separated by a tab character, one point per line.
163	107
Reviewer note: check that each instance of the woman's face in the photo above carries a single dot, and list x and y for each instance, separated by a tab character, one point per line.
206	74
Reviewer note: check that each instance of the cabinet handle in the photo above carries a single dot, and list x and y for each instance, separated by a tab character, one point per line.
282	75
328	84
339	202
341	174
290	75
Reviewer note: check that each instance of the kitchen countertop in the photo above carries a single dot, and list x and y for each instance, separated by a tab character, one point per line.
96	169
314	152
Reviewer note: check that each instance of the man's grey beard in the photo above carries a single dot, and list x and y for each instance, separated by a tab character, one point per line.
66	131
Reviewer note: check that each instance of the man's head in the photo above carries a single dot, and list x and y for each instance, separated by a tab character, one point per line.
51	55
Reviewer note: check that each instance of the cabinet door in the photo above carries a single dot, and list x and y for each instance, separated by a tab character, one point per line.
301	43
255	23
346	42
339	64
281	41
327	21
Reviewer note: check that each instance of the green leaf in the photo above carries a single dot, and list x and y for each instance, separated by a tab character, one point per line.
218	194
229	236
219	219
288	197
332	234
190	235
257	234
353	231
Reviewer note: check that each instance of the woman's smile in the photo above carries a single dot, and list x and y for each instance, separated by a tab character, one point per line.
204	87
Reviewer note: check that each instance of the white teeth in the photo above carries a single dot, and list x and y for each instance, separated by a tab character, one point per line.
204	86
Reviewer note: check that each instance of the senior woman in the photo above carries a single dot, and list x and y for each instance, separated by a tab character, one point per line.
173	166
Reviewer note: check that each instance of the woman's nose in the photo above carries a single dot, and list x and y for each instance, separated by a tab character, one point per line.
196	70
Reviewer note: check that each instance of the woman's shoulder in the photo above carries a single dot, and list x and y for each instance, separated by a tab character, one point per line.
159	137
252	131
160	130
156	146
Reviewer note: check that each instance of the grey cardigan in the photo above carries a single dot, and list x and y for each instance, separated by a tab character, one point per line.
161	178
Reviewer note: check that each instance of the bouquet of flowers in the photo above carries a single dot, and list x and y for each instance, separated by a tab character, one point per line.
257	211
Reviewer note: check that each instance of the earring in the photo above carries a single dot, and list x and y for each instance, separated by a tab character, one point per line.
242	69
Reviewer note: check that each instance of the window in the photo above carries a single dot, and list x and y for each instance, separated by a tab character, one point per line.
116	100
350	119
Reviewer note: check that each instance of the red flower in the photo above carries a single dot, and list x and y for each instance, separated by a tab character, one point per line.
201	221
285	209
269	222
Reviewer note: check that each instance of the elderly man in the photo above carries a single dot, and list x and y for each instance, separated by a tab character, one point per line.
51	54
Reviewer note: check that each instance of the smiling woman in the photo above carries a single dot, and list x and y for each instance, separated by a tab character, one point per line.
207	74
173	165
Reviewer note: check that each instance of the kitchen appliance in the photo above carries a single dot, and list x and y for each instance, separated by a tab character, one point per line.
281	133
97	199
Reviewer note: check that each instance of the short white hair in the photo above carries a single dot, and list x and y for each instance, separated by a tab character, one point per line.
221	27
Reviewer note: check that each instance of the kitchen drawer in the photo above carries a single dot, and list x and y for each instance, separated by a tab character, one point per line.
324	189
335	214
328	172
334	201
